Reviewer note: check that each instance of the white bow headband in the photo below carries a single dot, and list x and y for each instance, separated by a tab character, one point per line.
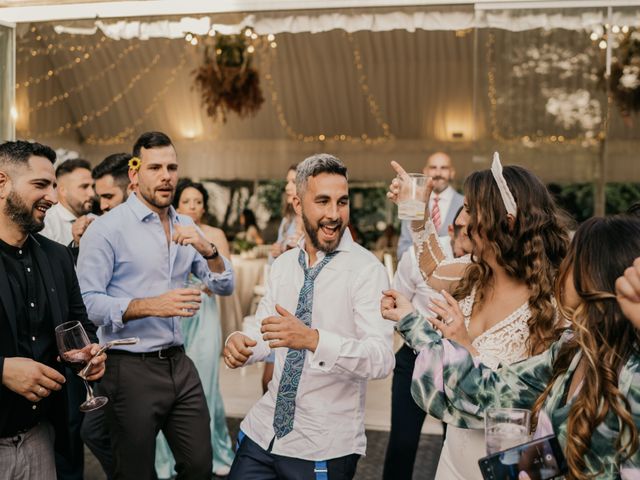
505	193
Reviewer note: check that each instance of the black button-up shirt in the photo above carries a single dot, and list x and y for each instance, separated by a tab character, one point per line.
36	338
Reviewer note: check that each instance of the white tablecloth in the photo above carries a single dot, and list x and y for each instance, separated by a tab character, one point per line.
248	274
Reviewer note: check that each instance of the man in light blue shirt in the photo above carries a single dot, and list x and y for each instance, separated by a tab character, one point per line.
132	267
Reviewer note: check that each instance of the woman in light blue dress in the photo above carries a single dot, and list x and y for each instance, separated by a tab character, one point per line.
203	342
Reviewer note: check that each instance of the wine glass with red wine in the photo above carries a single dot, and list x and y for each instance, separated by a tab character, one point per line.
74	348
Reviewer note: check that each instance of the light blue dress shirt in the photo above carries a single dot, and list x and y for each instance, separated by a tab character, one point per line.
123	256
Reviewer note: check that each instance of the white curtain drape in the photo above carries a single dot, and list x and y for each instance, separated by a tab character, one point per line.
445	18
432	87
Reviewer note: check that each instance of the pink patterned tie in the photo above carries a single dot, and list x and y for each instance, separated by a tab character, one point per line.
435	212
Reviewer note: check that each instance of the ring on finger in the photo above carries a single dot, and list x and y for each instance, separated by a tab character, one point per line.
41	391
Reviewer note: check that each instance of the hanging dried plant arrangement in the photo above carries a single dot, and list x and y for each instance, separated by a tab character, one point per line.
227	81
624	82
625	74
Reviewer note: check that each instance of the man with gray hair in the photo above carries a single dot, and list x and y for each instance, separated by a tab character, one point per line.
321	314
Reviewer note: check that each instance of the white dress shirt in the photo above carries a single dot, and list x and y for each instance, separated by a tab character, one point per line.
355	345
57	224
409	282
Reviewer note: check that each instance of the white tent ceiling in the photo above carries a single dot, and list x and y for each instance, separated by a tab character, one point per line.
426	85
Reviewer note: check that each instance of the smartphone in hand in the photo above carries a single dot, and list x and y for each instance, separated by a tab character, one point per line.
540	459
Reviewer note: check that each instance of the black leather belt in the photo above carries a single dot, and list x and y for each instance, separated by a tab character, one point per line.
161	354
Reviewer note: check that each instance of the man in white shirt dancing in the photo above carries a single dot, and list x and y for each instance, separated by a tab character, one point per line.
310	423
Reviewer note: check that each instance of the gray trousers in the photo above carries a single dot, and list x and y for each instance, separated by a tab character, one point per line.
28	456
148	395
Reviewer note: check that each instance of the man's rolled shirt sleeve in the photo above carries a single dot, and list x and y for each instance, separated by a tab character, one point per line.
219	283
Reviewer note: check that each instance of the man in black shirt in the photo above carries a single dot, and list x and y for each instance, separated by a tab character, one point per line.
38	291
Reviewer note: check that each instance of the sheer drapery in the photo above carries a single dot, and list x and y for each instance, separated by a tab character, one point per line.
432	87
437	18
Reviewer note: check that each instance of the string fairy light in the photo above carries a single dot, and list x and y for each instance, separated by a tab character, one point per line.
88	81
25	41
493	112
128	132
90	116
374	109
35	80
59	47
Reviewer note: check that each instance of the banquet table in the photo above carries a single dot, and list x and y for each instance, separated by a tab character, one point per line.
249	273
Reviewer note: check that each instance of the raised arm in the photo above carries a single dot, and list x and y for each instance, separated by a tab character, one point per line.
439	271
450	385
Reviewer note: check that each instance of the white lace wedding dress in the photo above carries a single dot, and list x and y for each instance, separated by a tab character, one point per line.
505	342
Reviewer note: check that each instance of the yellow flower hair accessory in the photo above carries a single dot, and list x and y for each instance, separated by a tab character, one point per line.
134	164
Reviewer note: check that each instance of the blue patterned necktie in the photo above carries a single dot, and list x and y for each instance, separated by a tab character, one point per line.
288	388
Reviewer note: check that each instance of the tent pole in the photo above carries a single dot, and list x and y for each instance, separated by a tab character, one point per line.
600	184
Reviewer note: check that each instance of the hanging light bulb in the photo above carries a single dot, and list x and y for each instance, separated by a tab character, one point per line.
615	29
194	41
274	44
602	44
593	36
248	32
625	29
251	49
188	37
271	37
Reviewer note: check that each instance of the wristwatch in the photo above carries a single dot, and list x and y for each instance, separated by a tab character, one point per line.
215	254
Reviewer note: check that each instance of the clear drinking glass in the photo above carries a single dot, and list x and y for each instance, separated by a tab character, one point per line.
74	348
411	198
505	428
192	282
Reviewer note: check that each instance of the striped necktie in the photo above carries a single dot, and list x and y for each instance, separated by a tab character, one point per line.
292	370
435	212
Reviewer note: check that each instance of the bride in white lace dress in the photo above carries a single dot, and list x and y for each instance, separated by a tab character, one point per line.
505	310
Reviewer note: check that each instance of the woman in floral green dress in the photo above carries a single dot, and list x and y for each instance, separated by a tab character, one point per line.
585	388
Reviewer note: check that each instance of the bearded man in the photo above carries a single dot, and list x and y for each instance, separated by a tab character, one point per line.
321	314
67	221
38	291
132	267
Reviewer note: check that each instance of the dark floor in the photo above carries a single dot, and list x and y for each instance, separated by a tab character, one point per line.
369	467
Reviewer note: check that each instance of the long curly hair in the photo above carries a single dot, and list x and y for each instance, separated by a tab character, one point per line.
530	250
601	250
